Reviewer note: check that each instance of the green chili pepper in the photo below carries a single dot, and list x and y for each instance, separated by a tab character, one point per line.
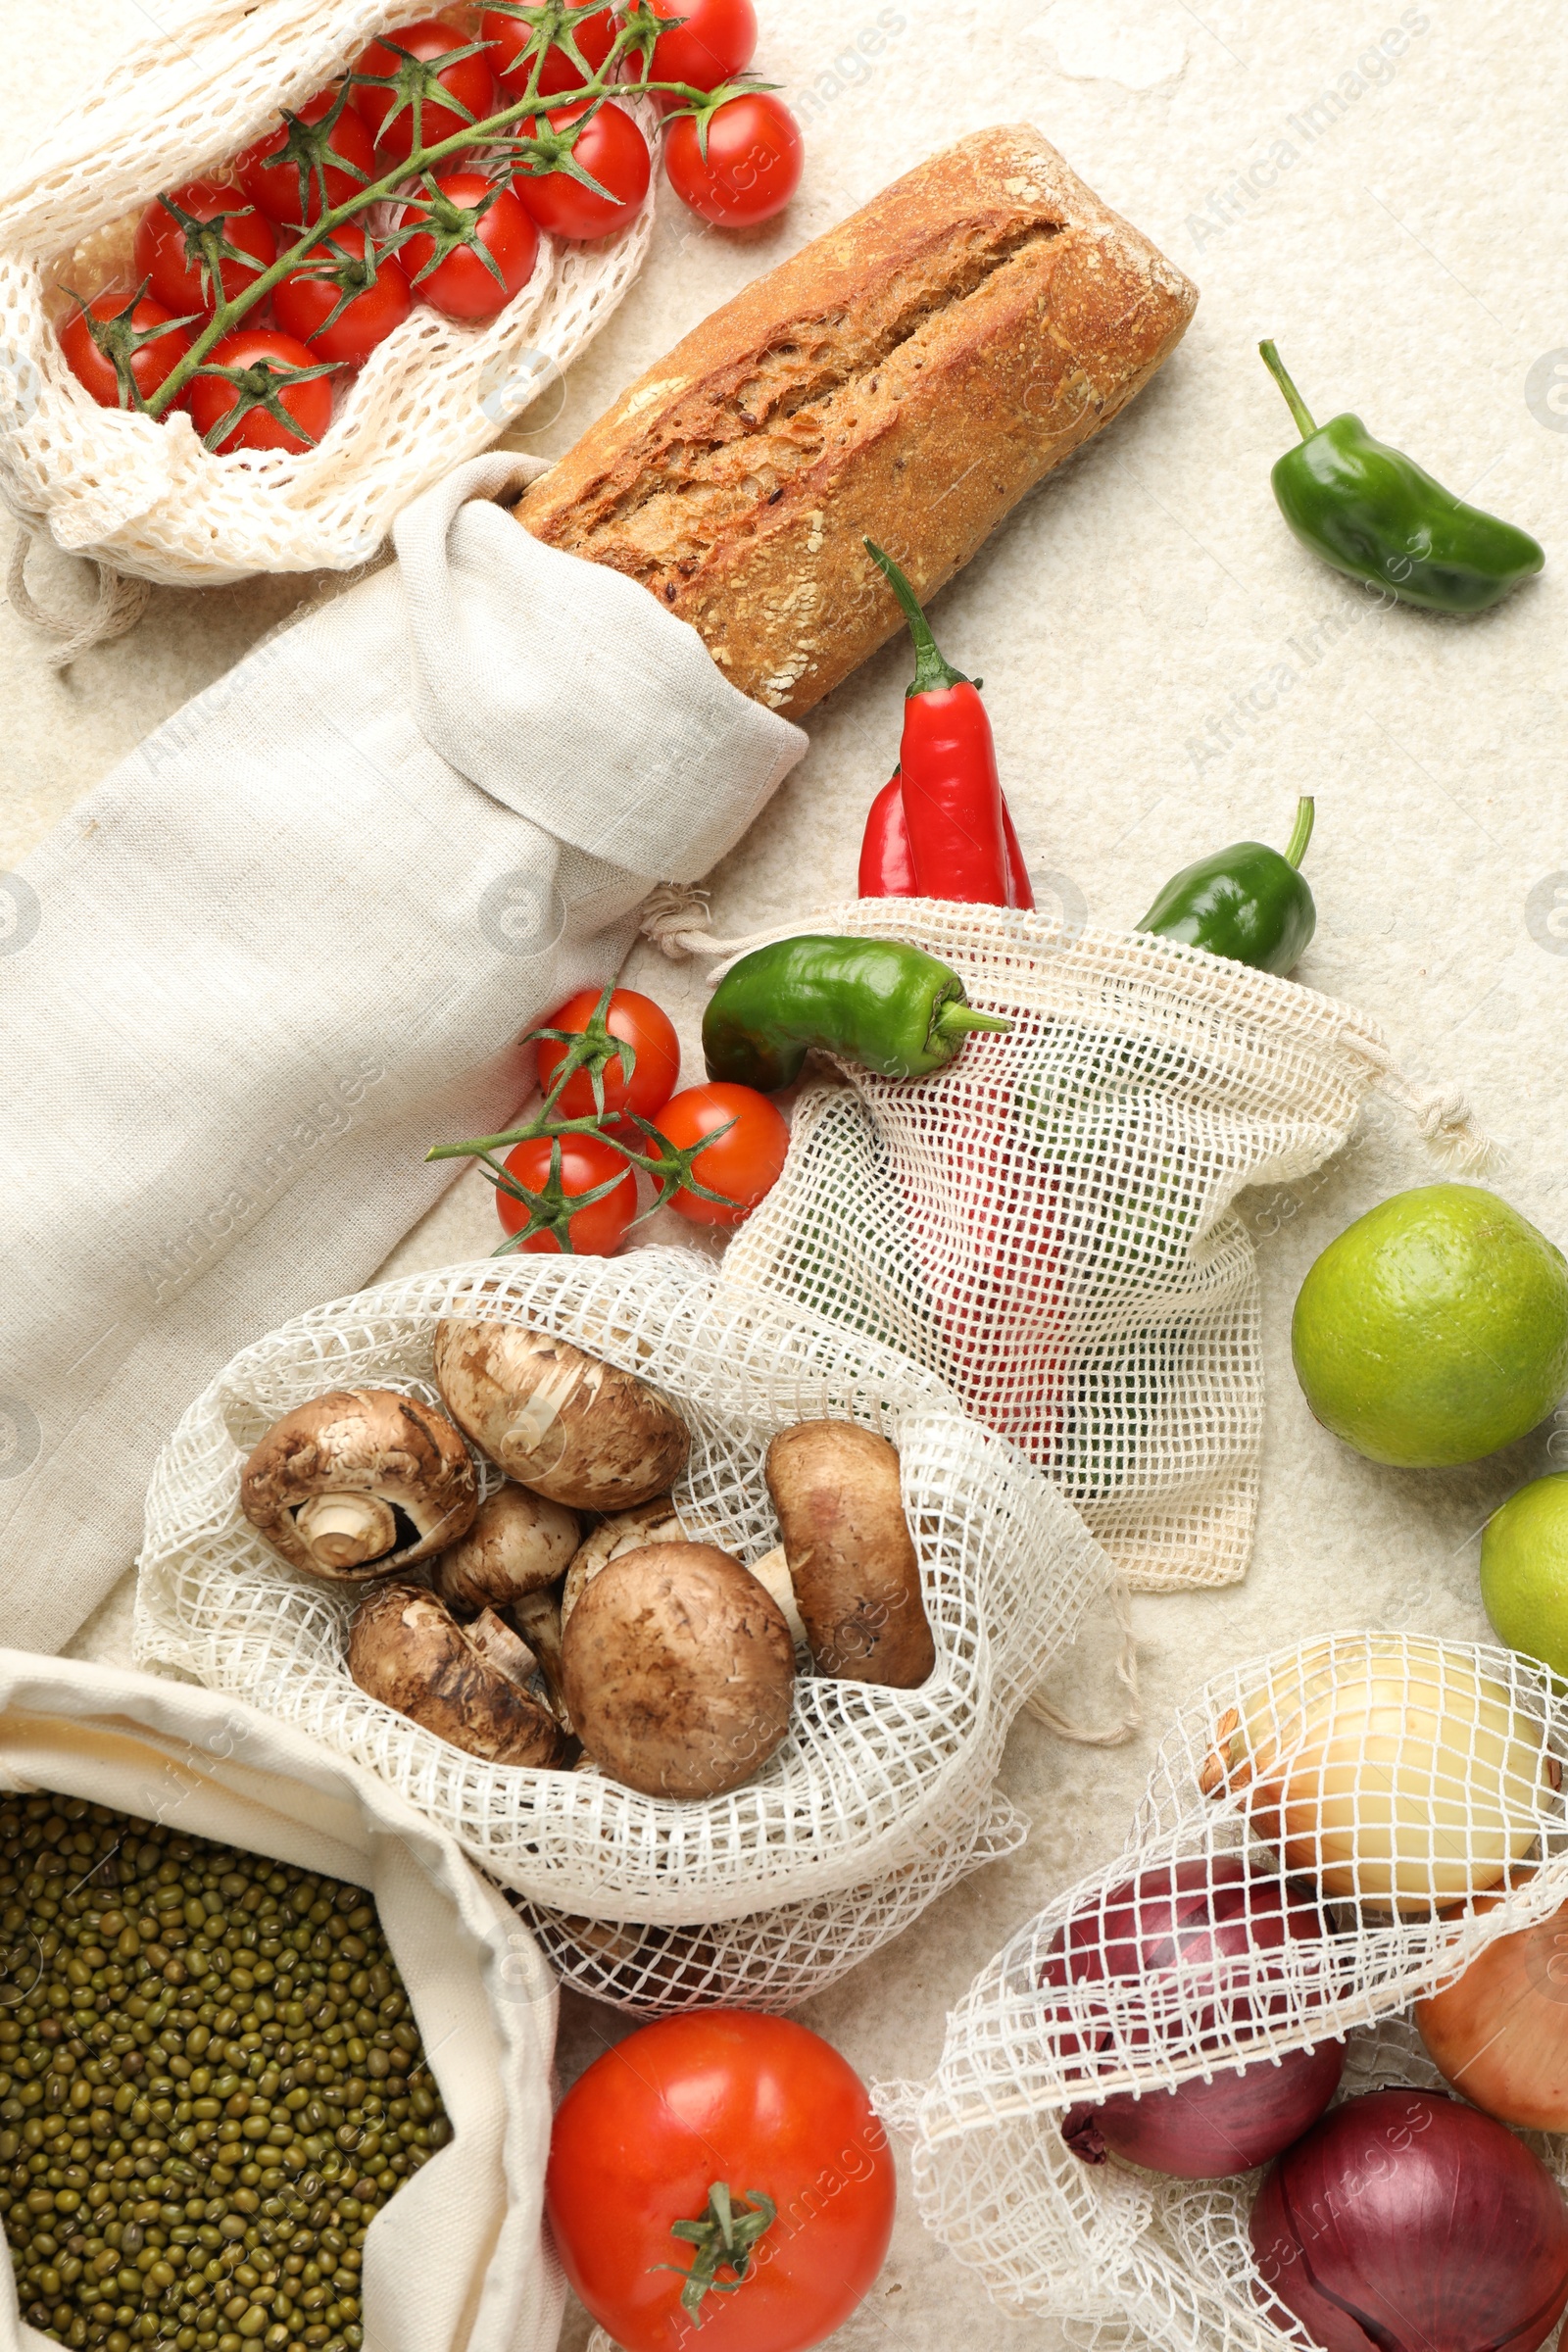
1373	512
876	1002
1247	902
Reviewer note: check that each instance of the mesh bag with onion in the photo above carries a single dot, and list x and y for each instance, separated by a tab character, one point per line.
139	494
1048	1225
1346	1873
877	1798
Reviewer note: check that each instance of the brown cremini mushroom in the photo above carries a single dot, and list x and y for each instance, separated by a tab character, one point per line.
581	1431
359	1483
656	1522
835	1488
679	1671
512	1559
467	1683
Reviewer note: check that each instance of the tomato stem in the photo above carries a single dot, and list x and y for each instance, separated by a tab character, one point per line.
725	2239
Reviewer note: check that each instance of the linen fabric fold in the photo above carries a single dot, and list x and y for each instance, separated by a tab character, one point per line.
289	943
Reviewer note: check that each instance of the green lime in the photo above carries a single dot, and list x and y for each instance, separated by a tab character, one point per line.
1524	1571
1434	1329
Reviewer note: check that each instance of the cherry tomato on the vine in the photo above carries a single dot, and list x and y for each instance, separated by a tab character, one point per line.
612	151
265	359
722	2096
585	1164
181	281
305	301
745	1164
716	41
273	177
149	362
513	45
644	1026
391	112
448	274
753	164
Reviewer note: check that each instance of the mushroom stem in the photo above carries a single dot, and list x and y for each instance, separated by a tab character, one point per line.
342	1531
537	1617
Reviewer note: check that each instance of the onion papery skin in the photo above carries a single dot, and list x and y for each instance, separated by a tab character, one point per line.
1202	2130
1407	2223
1499	2034
1172	1931
1393	1772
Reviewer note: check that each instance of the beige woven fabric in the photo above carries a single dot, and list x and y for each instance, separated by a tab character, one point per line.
142	494
1130	2258
1048	1225
457	2262
869	1784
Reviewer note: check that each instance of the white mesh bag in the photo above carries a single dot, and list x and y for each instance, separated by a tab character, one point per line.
1394	1774
456	2260
1048	1224
870	1785
140	495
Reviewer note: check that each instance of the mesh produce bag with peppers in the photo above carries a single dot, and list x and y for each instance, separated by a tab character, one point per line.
1349	1870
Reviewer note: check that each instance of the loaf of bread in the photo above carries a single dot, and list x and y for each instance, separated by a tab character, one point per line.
906	378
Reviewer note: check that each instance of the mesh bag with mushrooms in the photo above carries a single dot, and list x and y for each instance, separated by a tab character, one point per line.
810	1853
1344	1851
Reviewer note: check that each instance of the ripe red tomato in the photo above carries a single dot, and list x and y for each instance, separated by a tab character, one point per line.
451	276
759	2104
753	164
272	179
585	1164
390	113
512	42
716	41
180	279
746	1163
305	301
149	362
612	150
264	359
645	1026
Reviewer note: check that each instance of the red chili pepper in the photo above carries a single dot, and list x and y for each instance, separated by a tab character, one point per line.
954	813
887	866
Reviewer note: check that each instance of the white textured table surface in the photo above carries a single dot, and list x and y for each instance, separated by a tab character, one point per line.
1384	191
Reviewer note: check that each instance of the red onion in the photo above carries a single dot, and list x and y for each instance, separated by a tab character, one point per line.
1202	2130
1407	2223
1183	1921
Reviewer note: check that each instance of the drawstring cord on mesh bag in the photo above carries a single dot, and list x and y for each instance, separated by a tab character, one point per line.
1443	1114
122	600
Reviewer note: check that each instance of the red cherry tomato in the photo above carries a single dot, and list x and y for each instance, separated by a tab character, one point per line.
390	116
612	150
759	2104
644	1026
585	1164
745	1164
753	164
274	185
305	300
177	277
271	356
716	41
149	362
512	42
460	284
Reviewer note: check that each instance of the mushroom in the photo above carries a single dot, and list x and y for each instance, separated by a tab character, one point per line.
773	1570
679	1670
511	1558
465	1684
656	1522
581	1431
359	1483
835	1488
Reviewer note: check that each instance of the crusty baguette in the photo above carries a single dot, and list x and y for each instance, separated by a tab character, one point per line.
906	378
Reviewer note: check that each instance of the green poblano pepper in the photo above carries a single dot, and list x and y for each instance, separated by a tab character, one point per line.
1248	901
877	1001
1372	511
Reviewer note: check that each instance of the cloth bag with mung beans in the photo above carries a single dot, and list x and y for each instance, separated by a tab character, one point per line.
290	942
454	2260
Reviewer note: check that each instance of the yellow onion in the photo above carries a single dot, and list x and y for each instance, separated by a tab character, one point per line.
1395	1771
1499	2033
